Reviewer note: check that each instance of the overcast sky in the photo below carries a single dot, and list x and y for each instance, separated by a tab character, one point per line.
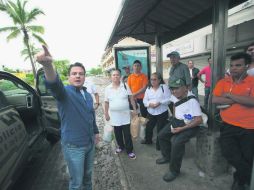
76	30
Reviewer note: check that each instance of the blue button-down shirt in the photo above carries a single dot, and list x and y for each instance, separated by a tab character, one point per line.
77	115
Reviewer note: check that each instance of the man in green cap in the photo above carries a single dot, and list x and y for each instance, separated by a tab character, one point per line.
172	138
178	69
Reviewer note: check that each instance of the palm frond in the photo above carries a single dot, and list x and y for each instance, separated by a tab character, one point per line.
25	52
2	7
37	29
21	10
13	35
31	16
40	39
11	10
8	29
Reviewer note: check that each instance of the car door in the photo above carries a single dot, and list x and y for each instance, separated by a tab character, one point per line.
20	126
49	108
13	143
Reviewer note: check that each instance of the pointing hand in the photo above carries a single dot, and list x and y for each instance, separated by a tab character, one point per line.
44	57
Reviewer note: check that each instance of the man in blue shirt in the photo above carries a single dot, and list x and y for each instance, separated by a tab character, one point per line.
79	131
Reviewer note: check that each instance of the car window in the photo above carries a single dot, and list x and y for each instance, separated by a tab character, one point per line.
42	87
10	88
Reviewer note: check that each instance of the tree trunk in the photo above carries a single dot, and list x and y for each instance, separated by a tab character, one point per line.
26	40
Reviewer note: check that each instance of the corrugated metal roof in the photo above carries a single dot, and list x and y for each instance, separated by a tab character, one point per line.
171	19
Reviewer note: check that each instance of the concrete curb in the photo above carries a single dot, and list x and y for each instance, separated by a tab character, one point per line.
123	178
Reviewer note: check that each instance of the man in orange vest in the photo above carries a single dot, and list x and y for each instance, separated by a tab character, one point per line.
235	95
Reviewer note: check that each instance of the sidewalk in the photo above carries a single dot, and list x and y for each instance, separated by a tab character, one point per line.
144	174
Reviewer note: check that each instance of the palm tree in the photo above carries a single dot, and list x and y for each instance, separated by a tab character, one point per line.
33	50
22	18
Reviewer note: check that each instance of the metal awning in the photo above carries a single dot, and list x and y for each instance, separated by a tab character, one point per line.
169	19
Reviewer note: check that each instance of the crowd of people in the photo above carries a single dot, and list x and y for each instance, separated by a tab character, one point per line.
174	109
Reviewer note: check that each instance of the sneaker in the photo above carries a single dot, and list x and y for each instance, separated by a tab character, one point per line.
162	160
169	176
132	156
118	150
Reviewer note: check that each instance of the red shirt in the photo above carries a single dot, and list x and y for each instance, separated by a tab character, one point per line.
207	71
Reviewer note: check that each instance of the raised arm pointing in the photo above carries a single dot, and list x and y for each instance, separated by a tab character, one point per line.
45	59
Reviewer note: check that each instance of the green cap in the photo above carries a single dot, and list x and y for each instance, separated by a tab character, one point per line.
173	53
176	83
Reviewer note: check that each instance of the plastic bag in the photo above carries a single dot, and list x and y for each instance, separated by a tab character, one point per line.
142	132
143	121
108	133
135	126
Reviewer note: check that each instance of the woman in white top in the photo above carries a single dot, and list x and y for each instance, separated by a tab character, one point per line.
156	99
118	112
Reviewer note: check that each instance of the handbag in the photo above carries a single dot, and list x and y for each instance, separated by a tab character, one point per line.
177	122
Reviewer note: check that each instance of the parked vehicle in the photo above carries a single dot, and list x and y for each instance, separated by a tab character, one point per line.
25	120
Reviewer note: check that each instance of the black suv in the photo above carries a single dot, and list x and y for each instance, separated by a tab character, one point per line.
26	117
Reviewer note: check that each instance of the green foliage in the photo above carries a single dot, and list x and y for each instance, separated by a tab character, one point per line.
62	67
5	86
29	79
95	71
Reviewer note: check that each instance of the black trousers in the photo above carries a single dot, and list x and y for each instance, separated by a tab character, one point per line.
237	146
173	145
143	109
159	120
123	137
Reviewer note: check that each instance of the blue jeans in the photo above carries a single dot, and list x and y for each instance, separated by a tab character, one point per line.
80	165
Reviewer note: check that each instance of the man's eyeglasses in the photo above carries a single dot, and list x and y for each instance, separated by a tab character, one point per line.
153	79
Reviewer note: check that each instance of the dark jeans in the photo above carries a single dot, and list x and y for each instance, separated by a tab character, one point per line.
123	137
159	120
173	145
207	94
143	109
195	91
237	145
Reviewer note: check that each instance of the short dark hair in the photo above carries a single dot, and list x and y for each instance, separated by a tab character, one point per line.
119	71
159	76
246	48
241	55
208	58
77	64
137	61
